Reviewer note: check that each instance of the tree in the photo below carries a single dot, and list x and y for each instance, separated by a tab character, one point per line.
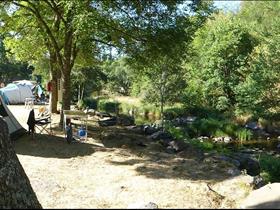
222	51
120	76
259	93
16	191
87	80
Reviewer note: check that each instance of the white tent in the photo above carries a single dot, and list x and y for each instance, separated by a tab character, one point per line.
29	83
15	129
16	93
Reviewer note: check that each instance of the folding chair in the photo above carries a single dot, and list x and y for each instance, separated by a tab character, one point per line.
42	125
43	121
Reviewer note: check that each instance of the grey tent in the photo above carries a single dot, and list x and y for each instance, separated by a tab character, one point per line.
15	129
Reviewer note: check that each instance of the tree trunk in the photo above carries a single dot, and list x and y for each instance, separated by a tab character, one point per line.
15	188
54	96
66	93
54	78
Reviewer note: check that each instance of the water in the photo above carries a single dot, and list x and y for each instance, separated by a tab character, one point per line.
262	144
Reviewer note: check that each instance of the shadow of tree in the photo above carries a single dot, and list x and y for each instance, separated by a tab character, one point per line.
50	146
153	161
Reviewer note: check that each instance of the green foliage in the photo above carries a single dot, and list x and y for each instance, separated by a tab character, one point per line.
173	112
120	76
91	103
14	71
270	168
108	106
221	50
204	146
244	134
177	133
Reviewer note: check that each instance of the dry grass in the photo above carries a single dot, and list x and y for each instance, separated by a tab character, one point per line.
111	171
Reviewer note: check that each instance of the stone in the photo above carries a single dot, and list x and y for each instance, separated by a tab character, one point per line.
252	126
178	145
149	130
266	197
203	138
142	205
247	162
258	182
160	135
218	139
228	139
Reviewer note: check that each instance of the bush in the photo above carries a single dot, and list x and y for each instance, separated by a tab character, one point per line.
172	113
90	103
270	168
109	106
177	133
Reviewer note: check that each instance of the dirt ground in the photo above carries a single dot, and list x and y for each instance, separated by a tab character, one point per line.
112	170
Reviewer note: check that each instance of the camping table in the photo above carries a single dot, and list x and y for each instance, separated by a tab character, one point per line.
73	114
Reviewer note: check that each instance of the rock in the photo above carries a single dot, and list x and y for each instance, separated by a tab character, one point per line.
108	122
170	150
142	205
266	197
203	138
218	139
165	142
278	147
178	145
180	121
233	172
148	130
258	182
160	135
228	139
136	128
252	126
247	162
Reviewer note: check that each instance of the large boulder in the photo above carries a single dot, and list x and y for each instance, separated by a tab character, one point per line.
160	135
247	162
267	197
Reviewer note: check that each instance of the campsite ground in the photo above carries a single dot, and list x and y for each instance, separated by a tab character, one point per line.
111	170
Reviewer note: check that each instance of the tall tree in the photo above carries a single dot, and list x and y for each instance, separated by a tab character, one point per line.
222	47
16	191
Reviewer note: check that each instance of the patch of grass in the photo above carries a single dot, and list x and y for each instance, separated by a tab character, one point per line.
270	168
204	146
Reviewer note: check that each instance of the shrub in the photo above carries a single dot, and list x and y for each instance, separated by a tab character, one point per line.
90	103
243	134
108	106
171	113
270	168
